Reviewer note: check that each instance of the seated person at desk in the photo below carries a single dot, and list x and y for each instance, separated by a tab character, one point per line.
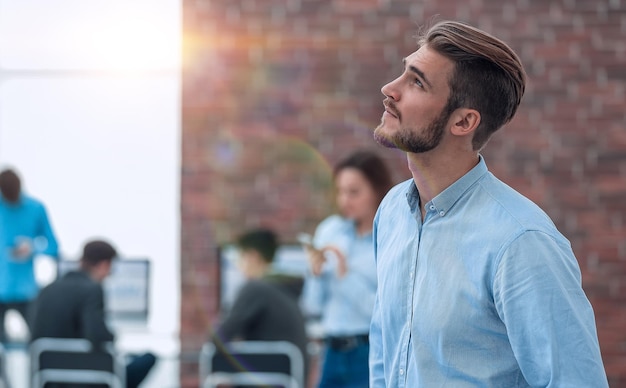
73	307
266	307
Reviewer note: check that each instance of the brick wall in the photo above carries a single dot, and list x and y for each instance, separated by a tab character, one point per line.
275	91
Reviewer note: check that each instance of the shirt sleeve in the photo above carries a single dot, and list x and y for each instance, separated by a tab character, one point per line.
50	247
245	310
376	366
315	293
549	320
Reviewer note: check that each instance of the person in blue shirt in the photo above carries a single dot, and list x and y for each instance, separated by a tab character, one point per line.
476	286
25	232
341	285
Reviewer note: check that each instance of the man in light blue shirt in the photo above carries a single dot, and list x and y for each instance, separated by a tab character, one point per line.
476	286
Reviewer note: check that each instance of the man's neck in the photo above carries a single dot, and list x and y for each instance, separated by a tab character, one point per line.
90	274
434	172
260	271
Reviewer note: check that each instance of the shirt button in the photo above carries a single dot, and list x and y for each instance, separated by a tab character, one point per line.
432	207
442	213
401	372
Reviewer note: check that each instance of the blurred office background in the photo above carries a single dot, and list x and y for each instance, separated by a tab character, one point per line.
170	126
90	117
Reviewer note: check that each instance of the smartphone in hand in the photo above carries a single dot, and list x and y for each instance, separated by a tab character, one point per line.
315	256
306	240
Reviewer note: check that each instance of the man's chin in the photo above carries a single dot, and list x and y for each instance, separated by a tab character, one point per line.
382	138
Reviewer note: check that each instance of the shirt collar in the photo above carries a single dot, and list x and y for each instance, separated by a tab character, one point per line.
444	201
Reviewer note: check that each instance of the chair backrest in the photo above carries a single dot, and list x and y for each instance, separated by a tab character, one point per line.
64	360
4	380
252	363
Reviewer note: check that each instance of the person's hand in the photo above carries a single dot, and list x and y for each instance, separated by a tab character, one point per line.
316	259
342	266
23	250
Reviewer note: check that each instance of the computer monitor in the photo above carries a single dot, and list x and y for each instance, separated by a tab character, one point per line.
126	289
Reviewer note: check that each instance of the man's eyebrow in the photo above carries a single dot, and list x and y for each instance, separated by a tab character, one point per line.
418	72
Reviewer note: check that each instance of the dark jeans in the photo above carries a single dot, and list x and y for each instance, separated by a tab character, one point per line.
345	367
137	369
20	307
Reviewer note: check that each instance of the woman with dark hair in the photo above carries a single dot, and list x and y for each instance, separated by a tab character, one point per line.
341	285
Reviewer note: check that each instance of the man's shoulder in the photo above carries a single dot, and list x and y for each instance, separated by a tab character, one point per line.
253	286
501	214
32	204
259	289
509	204
74	283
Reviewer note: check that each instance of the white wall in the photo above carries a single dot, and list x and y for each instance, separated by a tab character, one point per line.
90	118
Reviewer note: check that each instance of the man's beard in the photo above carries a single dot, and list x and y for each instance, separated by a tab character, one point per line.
409	140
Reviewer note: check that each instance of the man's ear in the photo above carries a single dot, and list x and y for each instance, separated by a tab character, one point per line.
465	121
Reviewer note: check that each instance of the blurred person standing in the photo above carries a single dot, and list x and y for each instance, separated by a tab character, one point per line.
25	232
73	307
477	287
341	284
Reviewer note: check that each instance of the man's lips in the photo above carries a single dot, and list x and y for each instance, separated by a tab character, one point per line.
387	113
391	110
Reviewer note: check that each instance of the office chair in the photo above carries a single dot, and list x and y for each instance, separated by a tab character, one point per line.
63	360
4	380
252	363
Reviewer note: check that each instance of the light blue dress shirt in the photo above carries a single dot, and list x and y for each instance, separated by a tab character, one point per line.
344	303
483	292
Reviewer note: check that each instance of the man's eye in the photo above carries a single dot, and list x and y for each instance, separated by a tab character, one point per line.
419	83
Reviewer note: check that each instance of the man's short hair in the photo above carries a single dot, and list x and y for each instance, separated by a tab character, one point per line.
96	251
263	241
10	185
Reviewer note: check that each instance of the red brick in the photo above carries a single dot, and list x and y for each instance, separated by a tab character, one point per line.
275	91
